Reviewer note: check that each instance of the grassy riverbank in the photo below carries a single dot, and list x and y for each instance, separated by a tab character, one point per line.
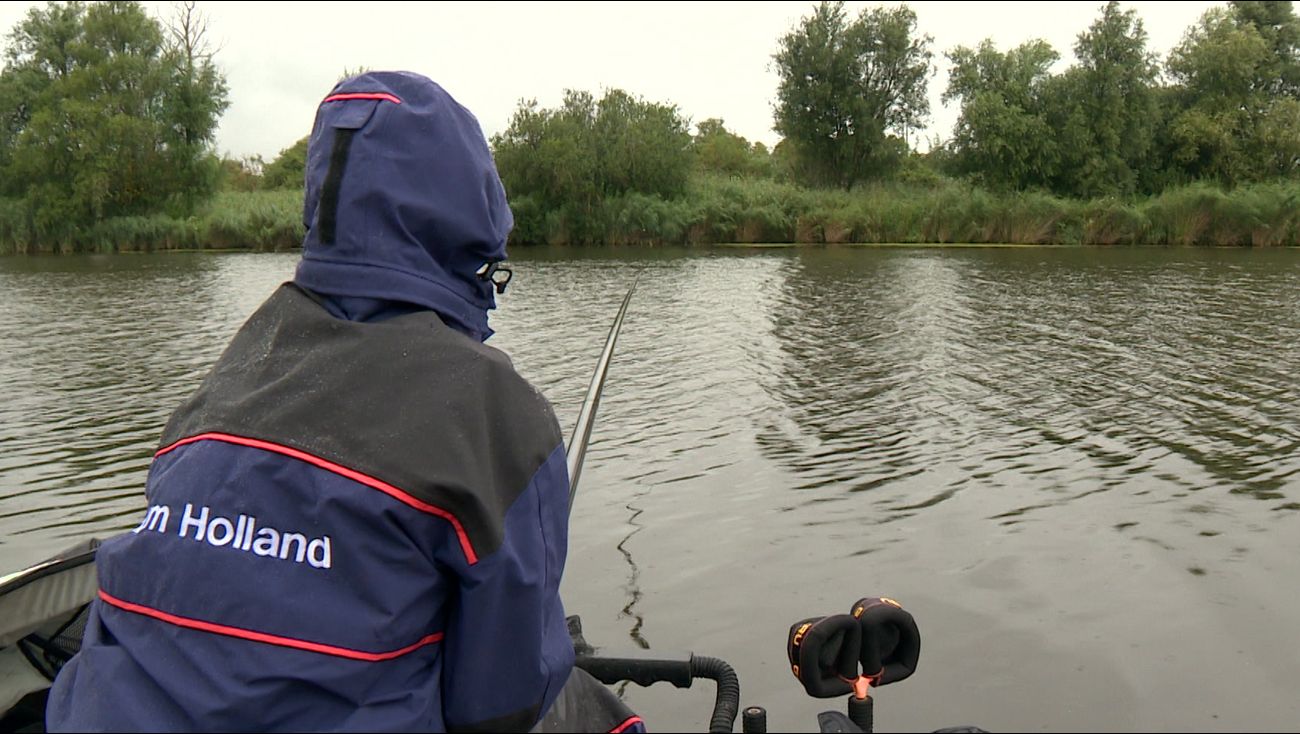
720	210
755	211
258	220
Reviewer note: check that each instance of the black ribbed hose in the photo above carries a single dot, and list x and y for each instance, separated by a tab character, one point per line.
727	703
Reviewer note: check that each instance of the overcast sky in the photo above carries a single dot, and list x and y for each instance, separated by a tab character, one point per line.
711	59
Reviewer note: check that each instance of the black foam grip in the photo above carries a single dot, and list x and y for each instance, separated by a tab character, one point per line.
823	654
891	642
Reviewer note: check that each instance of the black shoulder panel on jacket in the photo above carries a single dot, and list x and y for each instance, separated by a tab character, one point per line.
408	401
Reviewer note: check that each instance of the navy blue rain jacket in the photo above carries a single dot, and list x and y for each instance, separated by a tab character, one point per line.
358	521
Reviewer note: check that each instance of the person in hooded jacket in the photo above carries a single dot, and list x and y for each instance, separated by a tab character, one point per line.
359	519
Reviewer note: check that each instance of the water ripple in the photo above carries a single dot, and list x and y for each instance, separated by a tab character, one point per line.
1005	427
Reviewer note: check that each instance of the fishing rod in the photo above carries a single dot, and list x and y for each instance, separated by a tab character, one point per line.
641	666
587	416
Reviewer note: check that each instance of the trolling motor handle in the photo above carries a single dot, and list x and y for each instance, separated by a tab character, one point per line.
646	668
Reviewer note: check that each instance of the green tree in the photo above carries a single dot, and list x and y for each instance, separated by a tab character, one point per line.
547	157
192	104
289	169
718	150
1277	24
112	118
558	165
850	92
640	146
786	164
244	174
48	38
1234	122
1003	137
1116	100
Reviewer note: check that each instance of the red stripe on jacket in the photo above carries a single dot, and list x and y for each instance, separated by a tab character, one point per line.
356	476
362	95
244	634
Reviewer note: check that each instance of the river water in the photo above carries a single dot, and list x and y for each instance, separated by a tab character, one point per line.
1079	468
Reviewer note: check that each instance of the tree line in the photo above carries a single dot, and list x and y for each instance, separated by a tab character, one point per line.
1224	108
1222	113
108	116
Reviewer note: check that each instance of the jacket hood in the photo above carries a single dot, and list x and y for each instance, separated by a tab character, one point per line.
402	200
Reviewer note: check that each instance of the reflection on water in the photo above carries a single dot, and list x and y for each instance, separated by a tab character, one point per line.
1055	375
1067	462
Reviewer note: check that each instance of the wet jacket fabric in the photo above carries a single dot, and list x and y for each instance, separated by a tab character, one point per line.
358	521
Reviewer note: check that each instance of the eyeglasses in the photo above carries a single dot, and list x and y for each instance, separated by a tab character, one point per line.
499	276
